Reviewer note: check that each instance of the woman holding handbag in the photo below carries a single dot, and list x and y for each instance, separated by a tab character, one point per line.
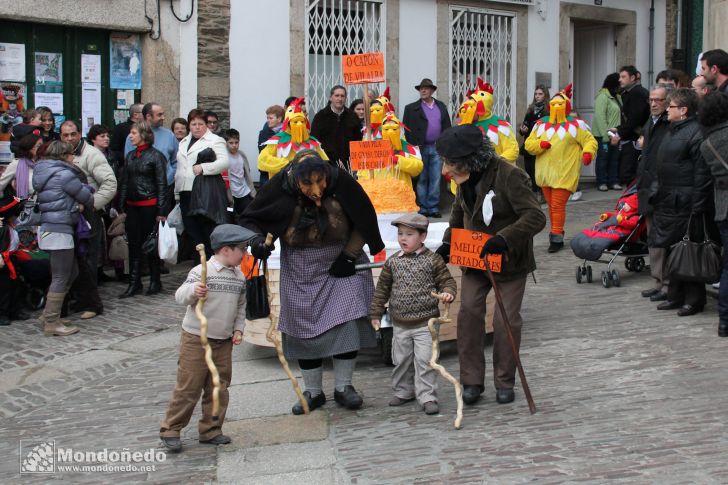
143	198
683	203
61	197
714	119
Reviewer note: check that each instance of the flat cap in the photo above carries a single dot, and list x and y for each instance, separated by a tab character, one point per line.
230	235
413	220
459	141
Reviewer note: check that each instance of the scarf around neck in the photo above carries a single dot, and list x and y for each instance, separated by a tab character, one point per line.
22	177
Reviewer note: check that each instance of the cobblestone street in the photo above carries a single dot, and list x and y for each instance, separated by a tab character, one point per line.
624	393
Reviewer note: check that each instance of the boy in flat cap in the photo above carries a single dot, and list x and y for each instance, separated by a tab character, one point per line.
225	312
407	280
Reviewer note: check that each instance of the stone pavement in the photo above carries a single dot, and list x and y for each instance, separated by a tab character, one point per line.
624	393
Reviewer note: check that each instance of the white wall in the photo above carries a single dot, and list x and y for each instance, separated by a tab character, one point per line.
417	48
259	67
543	39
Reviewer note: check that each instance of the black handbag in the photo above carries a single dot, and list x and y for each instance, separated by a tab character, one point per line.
694	261
256	293
149	246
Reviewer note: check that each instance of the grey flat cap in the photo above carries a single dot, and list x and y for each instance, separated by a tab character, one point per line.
413	220
230	235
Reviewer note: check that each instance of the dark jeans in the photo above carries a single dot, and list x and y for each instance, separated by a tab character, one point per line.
140	223
628	160
529	164
607	164
197	228
723	292
85	289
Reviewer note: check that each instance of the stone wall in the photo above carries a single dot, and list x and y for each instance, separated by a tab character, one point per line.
213	58
127	15
716	19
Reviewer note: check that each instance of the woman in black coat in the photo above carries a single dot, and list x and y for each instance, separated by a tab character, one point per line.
143	197
683	203
537	110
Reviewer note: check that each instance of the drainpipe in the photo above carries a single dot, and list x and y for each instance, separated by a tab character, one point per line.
651	62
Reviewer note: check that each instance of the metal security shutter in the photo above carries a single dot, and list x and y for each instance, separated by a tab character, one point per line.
335	28
483	44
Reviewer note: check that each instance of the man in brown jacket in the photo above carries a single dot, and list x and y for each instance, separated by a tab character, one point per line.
493	197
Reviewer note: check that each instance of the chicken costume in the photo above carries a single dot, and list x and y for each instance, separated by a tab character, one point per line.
283	146
477	109
560	144
378	110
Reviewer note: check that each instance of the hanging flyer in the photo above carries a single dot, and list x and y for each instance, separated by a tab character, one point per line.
90	68
12	62
126	61
48	72
52	101
90	105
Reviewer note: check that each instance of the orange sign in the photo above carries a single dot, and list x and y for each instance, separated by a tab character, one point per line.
465	248
370	155
363	68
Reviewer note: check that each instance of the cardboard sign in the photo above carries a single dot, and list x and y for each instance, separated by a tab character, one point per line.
363	68
465	247
370	155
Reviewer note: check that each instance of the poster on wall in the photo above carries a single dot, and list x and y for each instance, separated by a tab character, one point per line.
12	103
126	61
12	62
90	68
48	72
90	105
52	101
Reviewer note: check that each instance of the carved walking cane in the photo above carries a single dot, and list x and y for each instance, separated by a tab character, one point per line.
203	337
272	336
443	372
514	349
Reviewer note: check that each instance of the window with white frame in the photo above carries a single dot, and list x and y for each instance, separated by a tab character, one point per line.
483	44
335	28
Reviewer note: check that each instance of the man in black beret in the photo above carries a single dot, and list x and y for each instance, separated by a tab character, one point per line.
495	198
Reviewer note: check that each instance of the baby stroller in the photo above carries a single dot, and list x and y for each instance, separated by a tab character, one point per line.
621	232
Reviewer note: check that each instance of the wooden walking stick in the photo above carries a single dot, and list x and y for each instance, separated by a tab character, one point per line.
203	337
274	338
509	331
443	372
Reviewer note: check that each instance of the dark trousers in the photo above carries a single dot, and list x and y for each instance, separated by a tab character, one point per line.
10	296
197	228
529	164
628	160
85	288
723	292
471	329
239	205
140	223
607	164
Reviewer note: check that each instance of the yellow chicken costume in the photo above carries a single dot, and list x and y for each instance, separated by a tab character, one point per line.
477	109
377	112
560	145
283	146
390	188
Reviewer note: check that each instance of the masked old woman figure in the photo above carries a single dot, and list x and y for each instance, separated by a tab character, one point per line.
323	219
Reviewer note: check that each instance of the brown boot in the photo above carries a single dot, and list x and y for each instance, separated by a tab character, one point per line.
51	317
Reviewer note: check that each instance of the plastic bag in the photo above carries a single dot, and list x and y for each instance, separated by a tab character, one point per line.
174	219
167	243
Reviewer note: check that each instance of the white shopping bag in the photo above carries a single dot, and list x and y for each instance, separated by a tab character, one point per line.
174	219
167	243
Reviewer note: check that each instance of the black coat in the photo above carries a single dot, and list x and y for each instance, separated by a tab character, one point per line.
118	139
414	118
144	178
654	133
335	132
635	112
685	186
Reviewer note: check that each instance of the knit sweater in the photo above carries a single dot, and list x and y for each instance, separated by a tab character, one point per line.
406	282
225	305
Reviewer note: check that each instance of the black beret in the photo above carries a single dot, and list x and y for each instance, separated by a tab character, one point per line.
459	141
